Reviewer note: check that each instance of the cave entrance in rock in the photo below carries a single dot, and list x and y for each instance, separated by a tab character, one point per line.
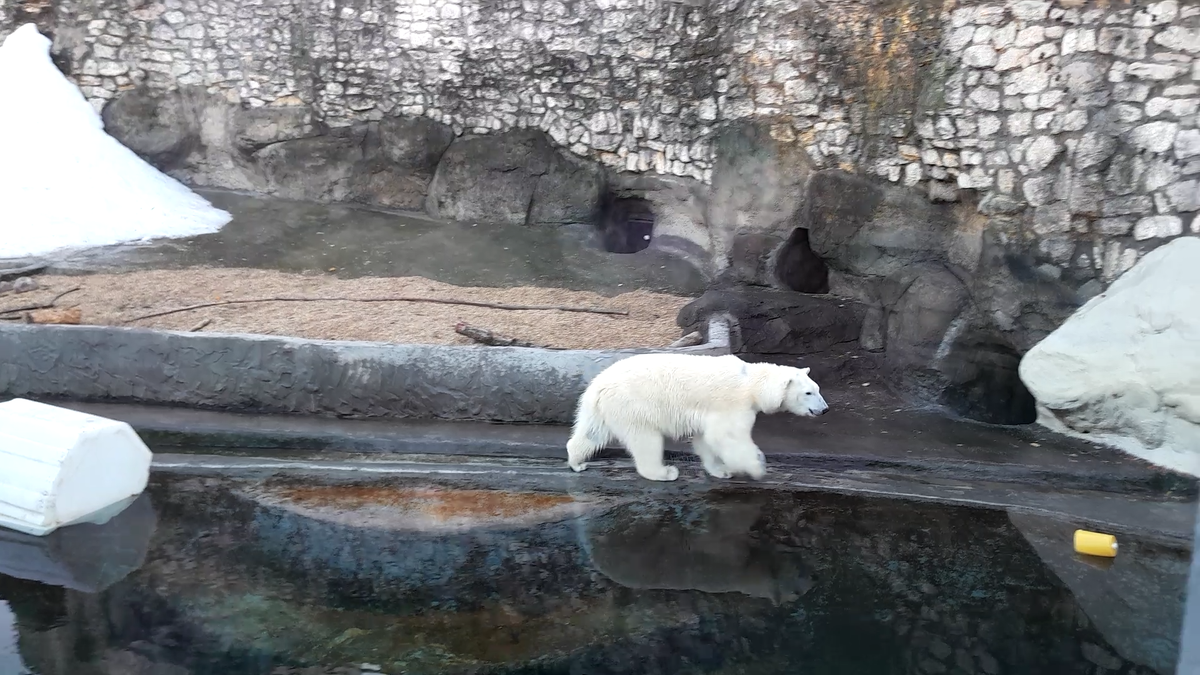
984	385
626	224
800	269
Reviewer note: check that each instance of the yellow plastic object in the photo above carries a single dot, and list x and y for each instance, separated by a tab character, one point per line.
1095	543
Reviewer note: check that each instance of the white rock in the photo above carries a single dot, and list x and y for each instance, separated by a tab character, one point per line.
912	174
1011	59
1041	152
1159	174
1184	195
1126	43
979	56
1030	10
1158	227
1031	80
1154	136
112	68
1153	71
1078	40
985	98
959	38
1031	36
1004	36
989	15
1187	144
1179	39
1124	370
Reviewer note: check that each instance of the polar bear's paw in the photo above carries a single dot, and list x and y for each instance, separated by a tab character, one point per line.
664	474
719	472
578	467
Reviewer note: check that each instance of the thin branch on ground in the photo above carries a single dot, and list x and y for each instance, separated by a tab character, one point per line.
44	305
468	303
491	338
200	326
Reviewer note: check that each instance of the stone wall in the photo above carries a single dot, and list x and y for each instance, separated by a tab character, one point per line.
1014	98
1079	116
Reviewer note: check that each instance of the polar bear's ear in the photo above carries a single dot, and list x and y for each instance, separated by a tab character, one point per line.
804	371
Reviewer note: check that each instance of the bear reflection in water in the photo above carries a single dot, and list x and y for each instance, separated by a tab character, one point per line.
703	546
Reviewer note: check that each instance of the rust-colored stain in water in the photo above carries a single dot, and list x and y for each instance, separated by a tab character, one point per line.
433	502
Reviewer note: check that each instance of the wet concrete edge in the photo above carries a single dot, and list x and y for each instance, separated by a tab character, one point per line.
174	430
268	374
1162	521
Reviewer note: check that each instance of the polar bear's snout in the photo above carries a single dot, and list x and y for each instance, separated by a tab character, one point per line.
818	406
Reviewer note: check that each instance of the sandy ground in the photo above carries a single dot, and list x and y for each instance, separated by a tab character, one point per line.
113	299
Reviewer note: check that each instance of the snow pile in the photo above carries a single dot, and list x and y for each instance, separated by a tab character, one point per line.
66	184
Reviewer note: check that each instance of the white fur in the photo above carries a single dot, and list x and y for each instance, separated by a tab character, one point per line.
713	399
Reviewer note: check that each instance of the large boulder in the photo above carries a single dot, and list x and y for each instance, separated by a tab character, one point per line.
1124	370
778	322
514	178
861	227
160	128
281	149
929	300
757	193
319	168
403	155
389	163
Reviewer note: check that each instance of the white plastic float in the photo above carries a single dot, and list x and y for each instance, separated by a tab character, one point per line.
60	467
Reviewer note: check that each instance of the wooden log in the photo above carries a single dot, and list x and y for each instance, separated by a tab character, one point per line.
487	337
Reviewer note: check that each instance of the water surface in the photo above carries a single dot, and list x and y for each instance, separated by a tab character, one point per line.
236	577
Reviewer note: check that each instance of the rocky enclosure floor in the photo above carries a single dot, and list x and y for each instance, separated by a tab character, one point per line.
114	299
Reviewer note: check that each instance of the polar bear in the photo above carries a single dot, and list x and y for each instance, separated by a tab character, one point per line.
713	399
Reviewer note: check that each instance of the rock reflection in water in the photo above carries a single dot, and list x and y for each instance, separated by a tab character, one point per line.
280	577
10	658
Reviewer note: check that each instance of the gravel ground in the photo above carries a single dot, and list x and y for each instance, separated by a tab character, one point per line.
112	299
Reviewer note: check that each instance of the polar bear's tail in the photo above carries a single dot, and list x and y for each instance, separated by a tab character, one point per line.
590	434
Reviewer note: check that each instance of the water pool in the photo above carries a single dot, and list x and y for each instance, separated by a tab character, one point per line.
218	575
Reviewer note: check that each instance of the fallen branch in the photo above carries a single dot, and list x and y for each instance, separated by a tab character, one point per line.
15	272
200	326
43	305
71	316
487	337
690	340
438	301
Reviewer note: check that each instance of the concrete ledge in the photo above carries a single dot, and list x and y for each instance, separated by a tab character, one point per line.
266	374
841	444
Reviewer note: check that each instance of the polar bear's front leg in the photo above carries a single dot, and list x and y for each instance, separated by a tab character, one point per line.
731	441
646	448
712	463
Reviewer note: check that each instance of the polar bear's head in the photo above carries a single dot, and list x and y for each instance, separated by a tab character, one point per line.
783	388
803	396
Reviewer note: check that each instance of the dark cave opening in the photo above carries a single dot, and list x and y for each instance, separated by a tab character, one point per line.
626	224
983	381
797	267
